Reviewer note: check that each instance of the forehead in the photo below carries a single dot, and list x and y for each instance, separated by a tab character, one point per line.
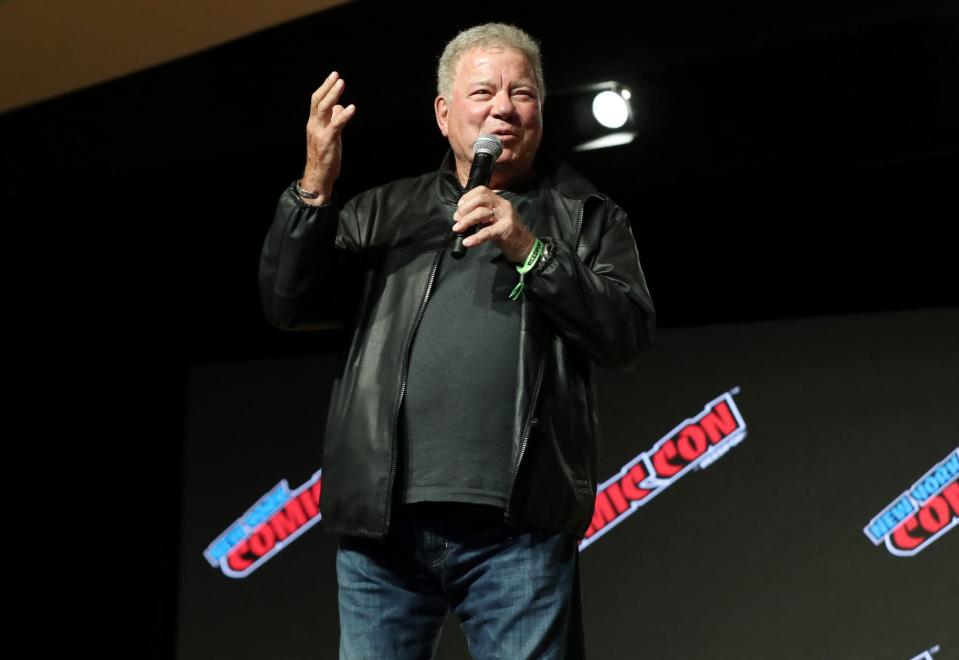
481	63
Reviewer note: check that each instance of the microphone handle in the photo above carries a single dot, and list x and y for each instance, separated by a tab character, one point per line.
480	172
459	250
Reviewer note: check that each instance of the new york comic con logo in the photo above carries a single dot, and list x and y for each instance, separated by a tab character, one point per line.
923	513
280	515
693	444
276	520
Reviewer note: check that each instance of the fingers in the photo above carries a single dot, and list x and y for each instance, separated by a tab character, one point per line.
341	115
501	223
480	215
481	236
324	108
477	195
319	101
482	208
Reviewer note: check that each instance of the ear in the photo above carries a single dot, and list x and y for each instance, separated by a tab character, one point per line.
442	111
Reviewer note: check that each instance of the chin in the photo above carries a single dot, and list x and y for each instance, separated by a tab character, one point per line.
513	162
509	157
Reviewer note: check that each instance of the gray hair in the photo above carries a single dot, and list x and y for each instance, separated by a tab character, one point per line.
488	35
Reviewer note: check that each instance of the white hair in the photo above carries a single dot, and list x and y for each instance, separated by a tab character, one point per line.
488	35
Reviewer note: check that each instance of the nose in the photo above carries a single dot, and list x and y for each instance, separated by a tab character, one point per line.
503	104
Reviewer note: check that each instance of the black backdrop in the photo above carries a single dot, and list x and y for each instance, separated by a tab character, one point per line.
795	160
759	555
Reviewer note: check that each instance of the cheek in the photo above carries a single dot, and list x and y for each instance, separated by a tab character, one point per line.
476	117
531	120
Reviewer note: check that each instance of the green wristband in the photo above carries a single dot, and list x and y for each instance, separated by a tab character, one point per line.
531	260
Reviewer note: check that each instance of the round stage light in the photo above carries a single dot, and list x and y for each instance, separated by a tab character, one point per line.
610	109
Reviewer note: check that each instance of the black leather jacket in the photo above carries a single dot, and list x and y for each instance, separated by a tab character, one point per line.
590	303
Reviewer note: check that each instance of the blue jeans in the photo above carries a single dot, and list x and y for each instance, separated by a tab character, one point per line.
516	593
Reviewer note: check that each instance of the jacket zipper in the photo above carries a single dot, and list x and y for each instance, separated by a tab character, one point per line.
530	420
539	379
579	225
406	358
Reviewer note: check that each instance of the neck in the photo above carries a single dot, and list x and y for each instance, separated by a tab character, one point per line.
502	179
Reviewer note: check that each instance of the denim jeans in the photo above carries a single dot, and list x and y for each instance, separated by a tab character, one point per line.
516	592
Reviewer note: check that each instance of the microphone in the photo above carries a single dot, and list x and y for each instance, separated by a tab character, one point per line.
486	151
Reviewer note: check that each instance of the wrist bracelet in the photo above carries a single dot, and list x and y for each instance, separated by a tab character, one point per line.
531	258
309	194
548	251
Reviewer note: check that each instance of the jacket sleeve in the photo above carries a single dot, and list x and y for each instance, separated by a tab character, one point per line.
604	307
309	261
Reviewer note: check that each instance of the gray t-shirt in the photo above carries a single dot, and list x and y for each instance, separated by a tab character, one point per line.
457	419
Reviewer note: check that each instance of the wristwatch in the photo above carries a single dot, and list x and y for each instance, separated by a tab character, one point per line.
549	249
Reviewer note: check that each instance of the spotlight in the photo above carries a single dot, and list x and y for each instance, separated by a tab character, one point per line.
610	109
593	116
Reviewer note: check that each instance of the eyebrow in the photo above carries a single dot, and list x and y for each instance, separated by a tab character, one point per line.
522	82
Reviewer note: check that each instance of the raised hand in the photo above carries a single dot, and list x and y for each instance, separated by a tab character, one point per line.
324	143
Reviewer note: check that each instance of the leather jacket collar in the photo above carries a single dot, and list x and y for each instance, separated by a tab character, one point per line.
548	173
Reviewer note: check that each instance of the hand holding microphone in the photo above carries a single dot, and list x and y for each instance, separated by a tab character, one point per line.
486	151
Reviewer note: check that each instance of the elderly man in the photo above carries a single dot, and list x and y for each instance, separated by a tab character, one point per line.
460	453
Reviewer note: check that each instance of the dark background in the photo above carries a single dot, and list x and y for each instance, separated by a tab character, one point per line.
794	160
759	555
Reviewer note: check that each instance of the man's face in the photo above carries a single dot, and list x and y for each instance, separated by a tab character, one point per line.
494	92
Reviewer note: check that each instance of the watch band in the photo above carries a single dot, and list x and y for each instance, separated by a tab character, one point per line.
549	249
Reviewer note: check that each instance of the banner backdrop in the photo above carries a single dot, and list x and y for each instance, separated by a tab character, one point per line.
781	489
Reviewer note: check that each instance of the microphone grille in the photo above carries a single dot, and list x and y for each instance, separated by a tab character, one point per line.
488	144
